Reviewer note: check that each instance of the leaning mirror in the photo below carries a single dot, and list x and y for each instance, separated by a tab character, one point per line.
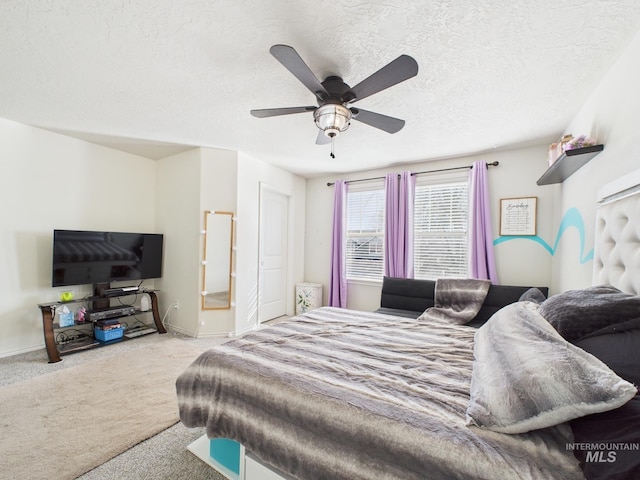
217	260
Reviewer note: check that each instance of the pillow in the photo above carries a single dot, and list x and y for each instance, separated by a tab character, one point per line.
620	351
526	376
576	313
532	295
613	431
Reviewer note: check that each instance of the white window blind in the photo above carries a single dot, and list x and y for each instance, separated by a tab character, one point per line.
440	230
365	231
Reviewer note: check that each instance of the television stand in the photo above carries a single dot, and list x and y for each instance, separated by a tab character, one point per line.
84	342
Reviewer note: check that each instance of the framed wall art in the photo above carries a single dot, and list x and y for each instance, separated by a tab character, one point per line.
518	216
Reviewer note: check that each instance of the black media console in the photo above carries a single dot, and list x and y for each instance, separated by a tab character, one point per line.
97	309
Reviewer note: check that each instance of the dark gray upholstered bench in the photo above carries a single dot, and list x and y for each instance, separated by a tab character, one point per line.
408	297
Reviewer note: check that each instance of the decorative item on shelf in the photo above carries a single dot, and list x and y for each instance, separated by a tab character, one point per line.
80	315
66	296
65	317
579	142
564	140
557	149
552	155
145	303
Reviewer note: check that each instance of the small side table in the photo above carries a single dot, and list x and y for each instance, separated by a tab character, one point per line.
308	297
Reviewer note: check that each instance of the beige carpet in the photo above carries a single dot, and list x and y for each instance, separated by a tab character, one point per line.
62	424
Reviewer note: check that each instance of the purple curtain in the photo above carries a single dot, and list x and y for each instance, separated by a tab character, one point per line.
338	283
398	241
482	264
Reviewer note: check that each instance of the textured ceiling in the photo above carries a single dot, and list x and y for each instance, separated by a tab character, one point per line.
151	75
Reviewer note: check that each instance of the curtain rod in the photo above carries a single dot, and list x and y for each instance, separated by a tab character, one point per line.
492	164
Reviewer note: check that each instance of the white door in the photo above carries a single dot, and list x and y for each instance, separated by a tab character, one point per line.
272	286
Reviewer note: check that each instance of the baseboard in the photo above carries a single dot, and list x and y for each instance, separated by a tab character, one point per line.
18	351
192	334
182	331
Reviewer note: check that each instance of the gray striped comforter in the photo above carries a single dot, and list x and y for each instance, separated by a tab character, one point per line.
340	394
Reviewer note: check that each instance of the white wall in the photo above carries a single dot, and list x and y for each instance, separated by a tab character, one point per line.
190	183
51	181
611	115
252	173
178	217
218	180
519	262
231	181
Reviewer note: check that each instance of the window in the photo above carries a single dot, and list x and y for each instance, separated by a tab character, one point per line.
440	229
365	231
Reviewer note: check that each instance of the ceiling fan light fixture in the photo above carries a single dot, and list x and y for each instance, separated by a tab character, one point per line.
332	119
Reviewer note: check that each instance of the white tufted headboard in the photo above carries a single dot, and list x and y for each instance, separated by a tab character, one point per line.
617	244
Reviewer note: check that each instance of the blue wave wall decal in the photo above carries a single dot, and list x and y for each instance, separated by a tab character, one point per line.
571	218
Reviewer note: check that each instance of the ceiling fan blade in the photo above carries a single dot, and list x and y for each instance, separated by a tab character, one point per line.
288	57
401	69
377	120
274	112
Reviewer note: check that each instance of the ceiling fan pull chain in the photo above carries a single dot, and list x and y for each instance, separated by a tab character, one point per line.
331	154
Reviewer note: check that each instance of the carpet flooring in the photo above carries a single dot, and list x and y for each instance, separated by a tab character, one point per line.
105	413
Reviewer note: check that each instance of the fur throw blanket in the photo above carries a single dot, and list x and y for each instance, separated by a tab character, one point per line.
457	300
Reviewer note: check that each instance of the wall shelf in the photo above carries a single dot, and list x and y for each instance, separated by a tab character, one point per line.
568	163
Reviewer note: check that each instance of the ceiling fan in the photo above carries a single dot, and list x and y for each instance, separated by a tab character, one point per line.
334	113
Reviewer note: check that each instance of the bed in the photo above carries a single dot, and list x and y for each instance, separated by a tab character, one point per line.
340	394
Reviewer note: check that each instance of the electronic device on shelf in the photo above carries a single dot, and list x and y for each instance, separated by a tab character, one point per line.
108	322
111	312
120	291
78	344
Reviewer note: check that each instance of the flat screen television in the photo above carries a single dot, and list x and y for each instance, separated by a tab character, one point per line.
83	257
